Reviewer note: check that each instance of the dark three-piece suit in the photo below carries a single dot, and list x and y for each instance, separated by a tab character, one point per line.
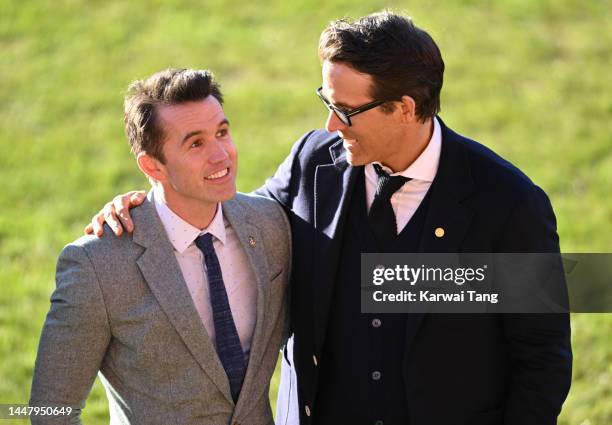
344	367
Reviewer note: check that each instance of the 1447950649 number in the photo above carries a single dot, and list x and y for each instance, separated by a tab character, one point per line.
27	411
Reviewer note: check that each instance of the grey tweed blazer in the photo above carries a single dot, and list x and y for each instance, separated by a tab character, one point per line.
122	308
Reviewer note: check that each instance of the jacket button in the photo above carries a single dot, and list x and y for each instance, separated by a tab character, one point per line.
376	375
378	423
376	323
314	360
307	409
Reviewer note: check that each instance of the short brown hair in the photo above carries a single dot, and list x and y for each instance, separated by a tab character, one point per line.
401	58
170	87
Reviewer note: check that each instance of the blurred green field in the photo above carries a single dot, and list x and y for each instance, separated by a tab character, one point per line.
529	78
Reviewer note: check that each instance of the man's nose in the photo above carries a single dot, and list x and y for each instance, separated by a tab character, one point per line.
334	123
219	153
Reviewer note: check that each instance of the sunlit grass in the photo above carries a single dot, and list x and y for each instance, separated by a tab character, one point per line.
528	78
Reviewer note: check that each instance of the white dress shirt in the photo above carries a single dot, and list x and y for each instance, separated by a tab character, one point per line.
238	275
422	172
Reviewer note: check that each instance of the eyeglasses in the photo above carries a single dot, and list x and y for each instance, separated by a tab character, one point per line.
343	115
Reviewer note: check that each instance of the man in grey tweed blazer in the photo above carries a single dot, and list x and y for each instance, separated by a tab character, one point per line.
138	310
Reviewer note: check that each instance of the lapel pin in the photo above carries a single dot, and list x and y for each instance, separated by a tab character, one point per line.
252	241
439	232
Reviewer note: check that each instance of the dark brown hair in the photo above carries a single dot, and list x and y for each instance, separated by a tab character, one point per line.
172	86
401	58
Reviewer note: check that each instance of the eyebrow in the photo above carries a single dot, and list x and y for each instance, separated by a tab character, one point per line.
189	135
343	106
338	104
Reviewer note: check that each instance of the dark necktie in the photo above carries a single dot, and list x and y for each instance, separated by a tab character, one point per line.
381	216
228	343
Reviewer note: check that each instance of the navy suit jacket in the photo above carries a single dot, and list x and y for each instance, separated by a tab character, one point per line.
458	369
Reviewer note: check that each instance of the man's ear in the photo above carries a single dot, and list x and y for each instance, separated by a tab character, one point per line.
407	107
151	166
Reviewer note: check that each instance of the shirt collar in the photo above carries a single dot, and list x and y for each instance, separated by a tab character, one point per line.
181	233
425	166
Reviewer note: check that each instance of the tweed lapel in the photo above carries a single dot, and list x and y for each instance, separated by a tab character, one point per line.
251	241
165	279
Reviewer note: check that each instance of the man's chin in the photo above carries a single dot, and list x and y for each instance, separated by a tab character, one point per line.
229	195
221	195
354	160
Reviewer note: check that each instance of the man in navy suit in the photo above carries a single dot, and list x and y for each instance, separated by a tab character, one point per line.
382	78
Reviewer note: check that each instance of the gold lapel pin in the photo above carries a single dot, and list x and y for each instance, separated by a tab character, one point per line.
252	241
439	232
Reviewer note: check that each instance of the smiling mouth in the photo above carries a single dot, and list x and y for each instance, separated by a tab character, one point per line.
349	143
345	137
218	174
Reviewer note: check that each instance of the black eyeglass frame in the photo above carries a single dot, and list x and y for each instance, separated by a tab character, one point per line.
345	116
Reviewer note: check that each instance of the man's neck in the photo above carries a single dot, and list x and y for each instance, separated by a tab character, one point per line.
197	213
418	138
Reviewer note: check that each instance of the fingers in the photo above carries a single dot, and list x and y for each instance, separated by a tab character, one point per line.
97	221
138	197
116	214
106	214
122	205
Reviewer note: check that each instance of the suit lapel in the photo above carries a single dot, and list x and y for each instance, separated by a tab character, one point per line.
252	242
447	212
333	188
165	279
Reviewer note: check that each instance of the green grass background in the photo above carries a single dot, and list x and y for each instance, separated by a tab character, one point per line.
529	78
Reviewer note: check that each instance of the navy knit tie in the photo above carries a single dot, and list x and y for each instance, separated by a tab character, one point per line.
381	215
228	343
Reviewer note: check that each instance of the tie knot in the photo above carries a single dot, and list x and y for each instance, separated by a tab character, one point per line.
387	185
204	242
